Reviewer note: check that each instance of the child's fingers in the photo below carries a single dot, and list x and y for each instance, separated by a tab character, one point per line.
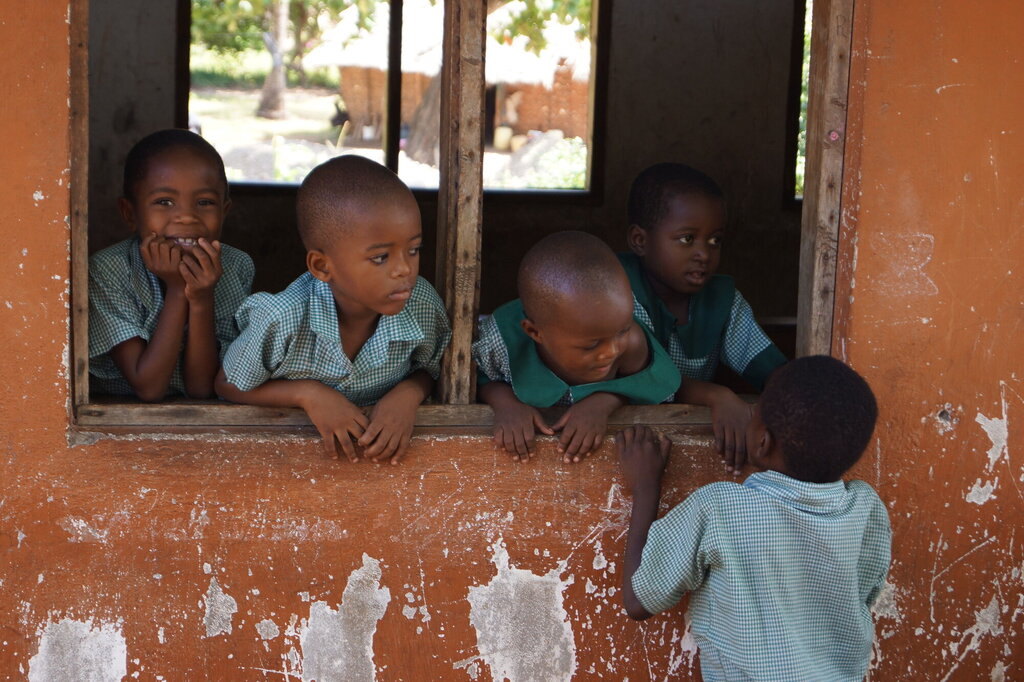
384	447
719	437
541	425
347	446
403	445
587	445
369	435
665	445
327	440
729	449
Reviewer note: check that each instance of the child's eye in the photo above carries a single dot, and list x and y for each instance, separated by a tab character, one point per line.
164	201
715	240
415	251
686	239
624	331
207	202
379	260
591	346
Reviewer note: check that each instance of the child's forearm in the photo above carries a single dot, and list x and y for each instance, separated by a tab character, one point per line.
199	366
415	388
645	510
498	395
695	392
149	366
273	393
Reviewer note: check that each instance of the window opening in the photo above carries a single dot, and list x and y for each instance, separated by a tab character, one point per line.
278	87
804	32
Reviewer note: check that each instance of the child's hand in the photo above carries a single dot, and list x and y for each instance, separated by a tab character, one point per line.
163	258
200	269
515	427
730	416
642	456
390	428
338	420
584	424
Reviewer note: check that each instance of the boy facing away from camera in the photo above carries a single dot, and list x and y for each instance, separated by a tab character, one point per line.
570	339
359	328
676	229
782	570
162	303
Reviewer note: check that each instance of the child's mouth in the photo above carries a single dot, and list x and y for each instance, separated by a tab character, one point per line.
400	295
696	277
185	242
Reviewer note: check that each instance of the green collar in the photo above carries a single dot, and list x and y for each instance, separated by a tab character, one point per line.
709	310
536	385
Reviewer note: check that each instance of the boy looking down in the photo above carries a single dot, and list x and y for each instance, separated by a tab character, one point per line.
570	339
783	569
359	328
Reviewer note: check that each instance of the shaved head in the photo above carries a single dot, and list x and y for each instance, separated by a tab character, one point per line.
337	192
568	269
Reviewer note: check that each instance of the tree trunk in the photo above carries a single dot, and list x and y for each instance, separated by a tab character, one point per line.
272	97
425	129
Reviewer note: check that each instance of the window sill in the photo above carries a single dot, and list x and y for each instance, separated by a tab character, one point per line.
194	416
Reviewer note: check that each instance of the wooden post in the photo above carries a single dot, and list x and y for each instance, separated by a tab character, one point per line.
79	202
460	195
826	136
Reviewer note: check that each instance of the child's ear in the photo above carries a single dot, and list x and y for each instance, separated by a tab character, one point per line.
318	264
636	236
531	330
127	210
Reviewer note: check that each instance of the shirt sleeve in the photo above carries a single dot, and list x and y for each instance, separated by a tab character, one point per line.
114	314
490	353
437	332
234	286
677	555
876	547
746	349
258	351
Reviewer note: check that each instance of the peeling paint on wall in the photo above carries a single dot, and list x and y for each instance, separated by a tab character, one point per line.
72	650
522	629
337	646
219	609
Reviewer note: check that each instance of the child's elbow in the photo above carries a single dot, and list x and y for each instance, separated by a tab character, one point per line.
149	395
634	609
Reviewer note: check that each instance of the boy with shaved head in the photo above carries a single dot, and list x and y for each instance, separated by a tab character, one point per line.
570	339
359	328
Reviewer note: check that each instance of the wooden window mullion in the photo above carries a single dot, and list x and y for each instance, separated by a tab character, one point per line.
460	193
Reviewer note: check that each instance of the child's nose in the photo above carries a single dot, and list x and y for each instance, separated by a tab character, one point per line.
609	350
402	267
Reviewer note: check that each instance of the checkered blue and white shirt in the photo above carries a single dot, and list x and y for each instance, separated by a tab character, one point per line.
782	573
294	335
125	300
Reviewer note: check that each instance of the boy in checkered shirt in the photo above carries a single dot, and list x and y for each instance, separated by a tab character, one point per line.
782	570
162	304
359	328
676	228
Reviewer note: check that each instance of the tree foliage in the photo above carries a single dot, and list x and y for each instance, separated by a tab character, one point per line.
535	14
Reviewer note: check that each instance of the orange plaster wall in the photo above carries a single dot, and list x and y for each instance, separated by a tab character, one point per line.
930	303
110	550
132	557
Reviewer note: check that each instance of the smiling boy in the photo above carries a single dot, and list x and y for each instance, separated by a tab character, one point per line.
359	328
676	229
570	339
162	304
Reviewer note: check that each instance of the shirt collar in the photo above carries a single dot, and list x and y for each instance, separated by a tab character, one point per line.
323	319
815	498
708	315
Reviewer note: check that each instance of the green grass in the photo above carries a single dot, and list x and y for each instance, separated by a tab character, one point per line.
246	70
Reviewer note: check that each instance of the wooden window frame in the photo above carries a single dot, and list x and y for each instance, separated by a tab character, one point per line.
460	203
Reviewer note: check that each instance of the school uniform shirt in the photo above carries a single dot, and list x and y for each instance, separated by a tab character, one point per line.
294	335
721	328
125	300
503	352
782	572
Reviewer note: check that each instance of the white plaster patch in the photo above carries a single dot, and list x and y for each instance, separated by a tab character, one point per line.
522	629
986	623
998	673
996	431
80	530
905	270
980	493
38	196
71	650
219	609
885	606
267	629
337	646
